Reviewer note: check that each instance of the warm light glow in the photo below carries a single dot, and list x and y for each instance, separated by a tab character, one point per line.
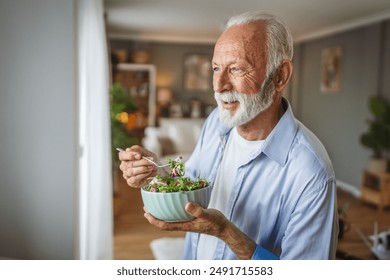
164	96
165	79
132	118
122	117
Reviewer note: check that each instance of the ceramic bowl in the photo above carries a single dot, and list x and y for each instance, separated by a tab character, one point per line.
169	207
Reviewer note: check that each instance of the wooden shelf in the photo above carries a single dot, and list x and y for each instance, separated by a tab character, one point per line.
376	188
140	82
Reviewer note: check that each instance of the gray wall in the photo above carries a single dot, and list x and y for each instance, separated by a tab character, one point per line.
339	119
385	87
37	129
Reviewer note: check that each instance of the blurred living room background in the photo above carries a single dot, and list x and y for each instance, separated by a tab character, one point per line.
79	78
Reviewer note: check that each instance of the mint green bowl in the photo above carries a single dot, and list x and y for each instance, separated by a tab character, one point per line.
169	207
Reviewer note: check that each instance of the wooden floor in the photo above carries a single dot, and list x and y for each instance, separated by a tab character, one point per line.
361	216
133	234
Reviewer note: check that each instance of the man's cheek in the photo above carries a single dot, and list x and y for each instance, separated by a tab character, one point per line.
250	85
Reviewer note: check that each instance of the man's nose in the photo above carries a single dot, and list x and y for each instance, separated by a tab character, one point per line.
221	82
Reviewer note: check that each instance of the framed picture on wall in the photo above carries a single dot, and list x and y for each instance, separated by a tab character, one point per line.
197	72
331	60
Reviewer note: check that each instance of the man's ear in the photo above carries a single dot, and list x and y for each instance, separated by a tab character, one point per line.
283	75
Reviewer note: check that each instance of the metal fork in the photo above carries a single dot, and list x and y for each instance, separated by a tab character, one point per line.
151	161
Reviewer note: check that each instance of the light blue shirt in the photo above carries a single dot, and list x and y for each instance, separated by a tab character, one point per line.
283	198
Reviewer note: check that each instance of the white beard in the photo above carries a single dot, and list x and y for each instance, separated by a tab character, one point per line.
250	104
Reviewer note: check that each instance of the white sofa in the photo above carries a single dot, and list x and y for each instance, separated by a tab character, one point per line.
174	137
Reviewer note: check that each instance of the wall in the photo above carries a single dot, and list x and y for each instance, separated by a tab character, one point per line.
385	87
37	129
339	119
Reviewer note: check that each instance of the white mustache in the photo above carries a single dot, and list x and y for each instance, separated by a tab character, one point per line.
228	97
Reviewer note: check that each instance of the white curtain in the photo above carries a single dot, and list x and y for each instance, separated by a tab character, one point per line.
95	184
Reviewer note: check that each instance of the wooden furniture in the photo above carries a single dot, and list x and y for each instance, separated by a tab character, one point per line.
361	216
376	188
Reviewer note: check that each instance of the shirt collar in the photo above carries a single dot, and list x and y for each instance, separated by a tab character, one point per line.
278	142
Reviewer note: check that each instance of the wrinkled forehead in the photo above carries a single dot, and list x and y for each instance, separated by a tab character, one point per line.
250	38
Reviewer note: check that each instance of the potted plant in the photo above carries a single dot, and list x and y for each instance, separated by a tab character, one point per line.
121	104
377	137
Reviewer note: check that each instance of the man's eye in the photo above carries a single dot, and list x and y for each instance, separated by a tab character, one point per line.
237	71
216	69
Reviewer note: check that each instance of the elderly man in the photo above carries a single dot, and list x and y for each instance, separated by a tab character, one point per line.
274	194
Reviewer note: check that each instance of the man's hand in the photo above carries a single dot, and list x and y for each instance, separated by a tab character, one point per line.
208	221
211	222
135	169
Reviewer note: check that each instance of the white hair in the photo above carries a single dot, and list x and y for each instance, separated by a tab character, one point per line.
279	41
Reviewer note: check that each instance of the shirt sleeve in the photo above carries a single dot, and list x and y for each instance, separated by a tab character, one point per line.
263	254
313	227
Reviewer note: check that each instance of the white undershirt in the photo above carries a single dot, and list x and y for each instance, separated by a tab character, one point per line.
237	152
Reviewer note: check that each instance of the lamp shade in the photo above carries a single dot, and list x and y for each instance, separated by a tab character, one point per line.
164	95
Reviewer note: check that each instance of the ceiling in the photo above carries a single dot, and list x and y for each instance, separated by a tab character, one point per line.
202	20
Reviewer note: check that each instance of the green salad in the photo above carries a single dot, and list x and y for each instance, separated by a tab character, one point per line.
175	182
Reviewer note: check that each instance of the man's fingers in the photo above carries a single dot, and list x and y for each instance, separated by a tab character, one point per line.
139	180
195	210
142	162
158	223
129	155
176	226
134	171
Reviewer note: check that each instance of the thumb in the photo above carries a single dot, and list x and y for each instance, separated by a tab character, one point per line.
194	209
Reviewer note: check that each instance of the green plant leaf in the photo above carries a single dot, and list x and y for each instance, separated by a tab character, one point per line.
377	137
377	105
120	101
